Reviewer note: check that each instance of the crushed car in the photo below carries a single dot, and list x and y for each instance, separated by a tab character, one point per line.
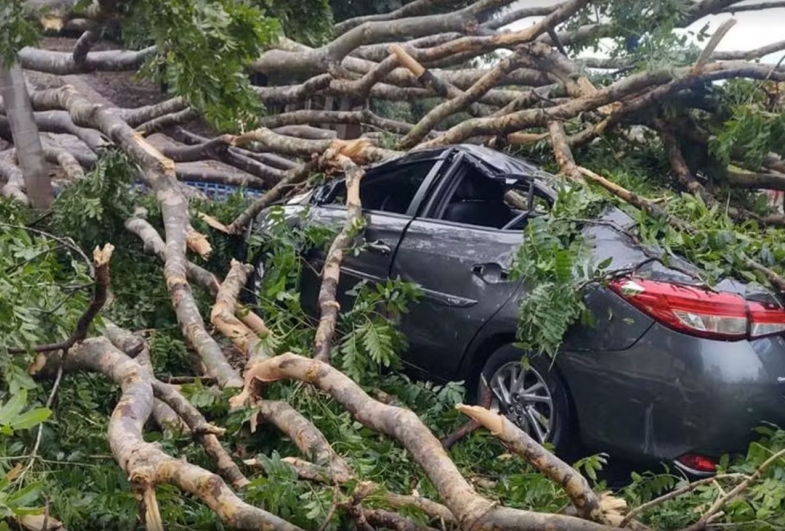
669	370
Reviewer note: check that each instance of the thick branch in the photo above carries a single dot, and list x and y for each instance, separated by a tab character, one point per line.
358	150
363	117
317	60
471	510
765	181
139	115
204	432
417	7
145	464
166	121
306	437
136	347
328	306
462	101
753	7
154	244
610	94
63	63
562	151
293	177
223	317
573	483
14	181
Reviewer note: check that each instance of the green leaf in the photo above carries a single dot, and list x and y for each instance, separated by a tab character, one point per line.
11	409
31	419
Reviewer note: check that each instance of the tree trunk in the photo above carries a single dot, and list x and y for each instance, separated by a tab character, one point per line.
25	135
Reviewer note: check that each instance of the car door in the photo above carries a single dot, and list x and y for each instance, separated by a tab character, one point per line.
462	268
389	196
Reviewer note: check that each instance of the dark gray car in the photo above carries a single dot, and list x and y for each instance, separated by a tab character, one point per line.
668	371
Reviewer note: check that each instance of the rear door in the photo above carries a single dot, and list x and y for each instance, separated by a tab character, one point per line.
389	195
460	256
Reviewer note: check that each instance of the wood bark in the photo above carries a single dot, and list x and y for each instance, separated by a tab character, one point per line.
312	61
144	463
136	347
64	63
38	186
354	223
632	84
158	173
471	510
519	442
460	102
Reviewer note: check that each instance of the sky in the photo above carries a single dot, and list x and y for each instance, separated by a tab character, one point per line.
753	29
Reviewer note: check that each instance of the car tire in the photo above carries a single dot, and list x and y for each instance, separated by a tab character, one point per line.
546	397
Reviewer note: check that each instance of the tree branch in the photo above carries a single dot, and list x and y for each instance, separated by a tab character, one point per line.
354	224
573	483
471	510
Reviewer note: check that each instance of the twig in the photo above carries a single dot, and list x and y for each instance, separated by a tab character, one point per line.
33	456
734	492
101	258
712	45
67	242
675	494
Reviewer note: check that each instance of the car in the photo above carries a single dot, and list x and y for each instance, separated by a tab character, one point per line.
669	371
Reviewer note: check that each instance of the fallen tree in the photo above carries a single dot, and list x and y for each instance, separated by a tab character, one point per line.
422	75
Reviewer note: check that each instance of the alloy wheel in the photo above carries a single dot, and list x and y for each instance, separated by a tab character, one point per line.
521	394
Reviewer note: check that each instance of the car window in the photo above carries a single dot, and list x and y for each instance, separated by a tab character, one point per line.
387	191
481	201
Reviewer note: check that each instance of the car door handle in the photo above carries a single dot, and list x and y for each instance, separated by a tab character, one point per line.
491	272
378	247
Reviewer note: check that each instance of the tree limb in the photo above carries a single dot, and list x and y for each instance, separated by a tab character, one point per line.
63	63
573	483
354	223
144	463
471	510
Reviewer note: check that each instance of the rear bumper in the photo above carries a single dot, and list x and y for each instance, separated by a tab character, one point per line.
671	394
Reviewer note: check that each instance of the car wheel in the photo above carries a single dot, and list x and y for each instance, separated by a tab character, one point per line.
531	395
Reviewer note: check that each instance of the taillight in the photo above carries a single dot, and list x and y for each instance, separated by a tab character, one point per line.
766	320
698	463
701	312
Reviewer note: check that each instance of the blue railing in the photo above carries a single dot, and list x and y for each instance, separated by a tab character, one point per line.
220	192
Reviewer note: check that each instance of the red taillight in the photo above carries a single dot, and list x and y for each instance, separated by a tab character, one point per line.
766	320
701	312
698	463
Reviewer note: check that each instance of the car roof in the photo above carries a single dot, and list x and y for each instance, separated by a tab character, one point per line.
490	161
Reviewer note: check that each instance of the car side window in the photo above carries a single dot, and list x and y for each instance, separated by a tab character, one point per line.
387	191
478	200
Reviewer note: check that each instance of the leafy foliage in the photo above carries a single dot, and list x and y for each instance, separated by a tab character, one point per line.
203	50
16	31
760	508
370	341
555	263
309	22
640	31
92	208
750	134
